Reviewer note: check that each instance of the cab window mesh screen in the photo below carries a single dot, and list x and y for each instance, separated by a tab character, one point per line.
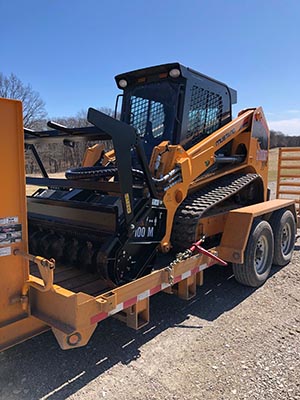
147	116
205	112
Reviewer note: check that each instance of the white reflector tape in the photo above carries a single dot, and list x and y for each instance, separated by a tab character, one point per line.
186	274
202	267
164	286
119	308
143	295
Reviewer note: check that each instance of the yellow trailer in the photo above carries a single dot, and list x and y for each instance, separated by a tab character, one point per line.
35	296
183	188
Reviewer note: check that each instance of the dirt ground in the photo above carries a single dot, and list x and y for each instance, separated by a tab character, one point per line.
229	342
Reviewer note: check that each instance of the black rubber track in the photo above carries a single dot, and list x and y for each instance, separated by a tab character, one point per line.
197	204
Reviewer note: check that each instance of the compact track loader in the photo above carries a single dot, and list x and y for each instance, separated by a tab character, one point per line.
181	178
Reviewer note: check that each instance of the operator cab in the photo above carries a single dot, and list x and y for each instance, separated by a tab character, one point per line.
174	103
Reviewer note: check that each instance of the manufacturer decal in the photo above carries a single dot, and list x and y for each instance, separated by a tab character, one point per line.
127	202
143	231
226	136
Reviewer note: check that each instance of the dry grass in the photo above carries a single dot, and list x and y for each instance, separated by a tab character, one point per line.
273	161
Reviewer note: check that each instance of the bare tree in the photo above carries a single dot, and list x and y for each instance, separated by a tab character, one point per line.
57	157
80	119
11	87
279	139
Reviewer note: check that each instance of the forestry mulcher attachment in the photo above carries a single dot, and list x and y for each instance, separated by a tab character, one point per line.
181	172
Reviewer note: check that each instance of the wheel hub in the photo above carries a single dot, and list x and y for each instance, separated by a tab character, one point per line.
261	254
286	238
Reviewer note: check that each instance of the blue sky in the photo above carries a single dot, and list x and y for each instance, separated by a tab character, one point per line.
70	51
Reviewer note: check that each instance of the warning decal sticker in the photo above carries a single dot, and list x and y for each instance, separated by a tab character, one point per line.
10	234
5	251
9	220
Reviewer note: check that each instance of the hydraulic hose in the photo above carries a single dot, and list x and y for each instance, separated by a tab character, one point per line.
90	172
97	172
106	172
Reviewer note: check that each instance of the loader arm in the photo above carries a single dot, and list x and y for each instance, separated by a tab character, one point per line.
197	160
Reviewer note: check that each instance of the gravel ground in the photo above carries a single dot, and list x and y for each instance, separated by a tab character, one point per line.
229	342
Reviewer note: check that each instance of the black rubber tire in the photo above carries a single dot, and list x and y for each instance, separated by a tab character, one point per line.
250	273
284	230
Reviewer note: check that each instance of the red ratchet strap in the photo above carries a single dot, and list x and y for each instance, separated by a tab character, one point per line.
196	246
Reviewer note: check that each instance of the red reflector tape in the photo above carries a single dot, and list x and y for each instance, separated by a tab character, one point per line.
154	290
177	279
130	302
195	270
98	317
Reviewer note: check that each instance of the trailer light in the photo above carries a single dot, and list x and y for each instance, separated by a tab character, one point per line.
123	83
74	339
174	73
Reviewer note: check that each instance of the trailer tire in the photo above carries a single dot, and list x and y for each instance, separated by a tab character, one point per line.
258	256
284	231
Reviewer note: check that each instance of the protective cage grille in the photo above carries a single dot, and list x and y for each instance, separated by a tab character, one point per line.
205	112
147	116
